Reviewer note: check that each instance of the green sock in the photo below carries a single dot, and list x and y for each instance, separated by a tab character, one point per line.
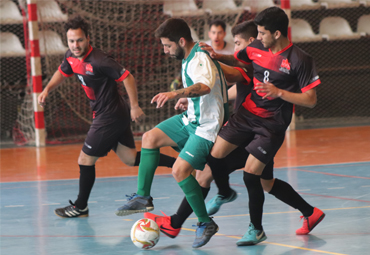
193	194
148	164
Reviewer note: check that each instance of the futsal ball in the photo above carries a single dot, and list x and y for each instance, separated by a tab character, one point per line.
145	233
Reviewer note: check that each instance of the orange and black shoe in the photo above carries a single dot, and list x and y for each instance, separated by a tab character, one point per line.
164	223
310	222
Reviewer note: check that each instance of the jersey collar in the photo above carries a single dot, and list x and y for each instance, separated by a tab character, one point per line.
279	52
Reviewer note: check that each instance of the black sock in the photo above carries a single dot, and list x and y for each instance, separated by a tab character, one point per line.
256	198
164	160
87	179
284	192
220	174
184	211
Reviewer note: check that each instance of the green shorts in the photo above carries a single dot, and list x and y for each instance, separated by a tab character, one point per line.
192	148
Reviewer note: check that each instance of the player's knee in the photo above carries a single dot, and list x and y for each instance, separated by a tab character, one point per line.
267	184
149	139
86	160
205	177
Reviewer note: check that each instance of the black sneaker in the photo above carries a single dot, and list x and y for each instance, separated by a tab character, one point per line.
136	204
71	211
204	233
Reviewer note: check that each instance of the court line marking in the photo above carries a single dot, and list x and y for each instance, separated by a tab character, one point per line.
330	174
277	244
330	209
170	175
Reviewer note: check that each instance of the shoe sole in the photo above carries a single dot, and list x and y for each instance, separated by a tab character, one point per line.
317	223
64	217
249	243
129	212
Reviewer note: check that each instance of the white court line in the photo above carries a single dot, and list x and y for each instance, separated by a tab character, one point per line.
303	190
365	186
337	188
52	204
14	205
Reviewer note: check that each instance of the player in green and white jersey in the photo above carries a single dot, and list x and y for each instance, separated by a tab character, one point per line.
192	133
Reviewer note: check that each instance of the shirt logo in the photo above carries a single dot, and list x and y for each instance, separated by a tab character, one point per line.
256	54
285	66
89	69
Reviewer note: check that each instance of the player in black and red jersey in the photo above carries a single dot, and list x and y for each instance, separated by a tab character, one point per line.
283	75
111	127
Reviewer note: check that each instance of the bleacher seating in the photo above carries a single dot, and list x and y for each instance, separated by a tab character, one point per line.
9	13
181	8
258	6
339	3
51	43
302	31
49	11
337	28
363	24
11	45
222	7
296	5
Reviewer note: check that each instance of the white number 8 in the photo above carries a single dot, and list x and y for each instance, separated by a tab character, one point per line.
266	78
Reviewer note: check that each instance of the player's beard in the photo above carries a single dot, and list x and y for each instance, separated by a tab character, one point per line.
179	53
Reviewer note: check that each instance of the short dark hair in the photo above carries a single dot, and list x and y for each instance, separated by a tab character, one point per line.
217	22
174	29
245	30
273	19
76	23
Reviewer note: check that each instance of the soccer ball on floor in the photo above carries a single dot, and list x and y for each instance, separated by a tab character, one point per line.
145	233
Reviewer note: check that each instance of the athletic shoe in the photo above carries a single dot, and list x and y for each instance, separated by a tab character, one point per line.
204	233
252	237
71	211
215	203
310	222
136	204
164	223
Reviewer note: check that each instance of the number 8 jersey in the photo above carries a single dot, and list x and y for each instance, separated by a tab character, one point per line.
290	69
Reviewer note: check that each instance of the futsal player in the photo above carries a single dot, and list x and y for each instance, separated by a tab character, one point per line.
283	75
111	127
192	133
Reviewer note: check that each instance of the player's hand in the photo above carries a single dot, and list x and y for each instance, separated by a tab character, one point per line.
182	104
137	114
41	98
162	98
210	50
269	89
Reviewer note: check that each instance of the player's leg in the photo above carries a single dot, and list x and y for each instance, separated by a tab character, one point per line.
251	176
168	133
285	192
193	156
126	151
99	141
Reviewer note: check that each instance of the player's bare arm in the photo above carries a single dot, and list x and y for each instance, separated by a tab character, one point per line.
55	81
231	74
130	85
195	90
307	99
226	59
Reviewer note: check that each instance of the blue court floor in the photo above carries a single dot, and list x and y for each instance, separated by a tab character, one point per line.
29	225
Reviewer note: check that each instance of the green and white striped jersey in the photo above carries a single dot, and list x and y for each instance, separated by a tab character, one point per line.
210	111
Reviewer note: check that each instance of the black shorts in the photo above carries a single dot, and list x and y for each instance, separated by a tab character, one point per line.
101	138
244	128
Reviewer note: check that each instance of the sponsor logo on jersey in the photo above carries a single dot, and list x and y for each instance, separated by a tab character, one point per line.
256	54
89	69
285	66
261	150
314	78
88	146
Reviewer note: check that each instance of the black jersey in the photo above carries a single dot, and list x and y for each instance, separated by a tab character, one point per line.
243	88
98	74
290	69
